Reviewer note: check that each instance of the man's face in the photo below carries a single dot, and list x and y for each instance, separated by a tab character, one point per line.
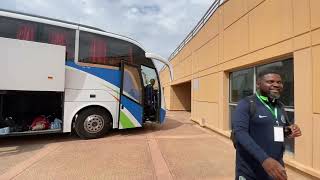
270	85
152	81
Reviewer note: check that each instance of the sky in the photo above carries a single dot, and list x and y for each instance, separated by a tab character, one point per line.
159	25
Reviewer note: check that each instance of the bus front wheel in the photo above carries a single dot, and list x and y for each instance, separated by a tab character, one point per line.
92	123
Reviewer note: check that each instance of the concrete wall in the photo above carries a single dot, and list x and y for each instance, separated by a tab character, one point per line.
244	33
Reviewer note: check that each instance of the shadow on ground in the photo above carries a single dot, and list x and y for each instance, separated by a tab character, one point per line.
147	128
10	146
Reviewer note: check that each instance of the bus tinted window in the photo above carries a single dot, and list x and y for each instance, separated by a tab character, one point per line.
18	29
140	58
59	36
132	83
98	49
30	31
120	50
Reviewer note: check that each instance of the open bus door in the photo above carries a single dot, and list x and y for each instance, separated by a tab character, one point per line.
161	110
135	107
131	97
152	94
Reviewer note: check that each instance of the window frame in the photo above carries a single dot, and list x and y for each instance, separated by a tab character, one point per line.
123	64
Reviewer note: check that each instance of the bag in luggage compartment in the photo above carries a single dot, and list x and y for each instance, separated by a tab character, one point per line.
40	123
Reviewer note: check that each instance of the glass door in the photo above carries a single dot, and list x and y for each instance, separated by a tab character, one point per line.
131	98
152	99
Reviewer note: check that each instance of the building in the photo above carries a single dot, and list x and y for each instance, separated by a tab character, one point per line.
216	65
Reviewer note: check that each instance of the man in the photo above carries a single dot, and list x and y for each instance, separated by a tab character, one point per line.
259	138
150	91
150	98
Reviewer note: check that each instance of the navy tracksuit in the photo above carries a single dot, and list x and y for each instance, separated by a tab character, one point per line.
255	139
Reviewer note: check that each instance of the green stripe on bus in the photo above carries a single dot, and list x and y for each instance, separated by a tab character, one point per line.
125	121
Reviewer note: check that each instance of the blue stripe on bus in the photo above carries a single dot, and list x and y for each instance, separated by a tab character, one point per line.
110	75
134	108
162	115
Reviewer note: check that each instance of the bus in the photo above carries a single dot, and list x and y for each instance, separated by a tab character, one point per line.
60	77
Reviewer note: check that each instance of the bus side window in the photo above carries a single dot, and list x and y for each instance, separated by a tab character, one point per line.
31	31
98	51
59	36
26	32
119	50
104	50
18	29
92	48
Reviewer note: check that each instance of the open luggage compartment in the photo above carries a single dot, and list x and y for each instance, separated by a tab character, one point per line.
32	79
30	112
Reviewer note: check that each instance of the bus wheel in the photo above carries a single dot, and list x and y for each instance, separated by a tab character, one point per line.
93	123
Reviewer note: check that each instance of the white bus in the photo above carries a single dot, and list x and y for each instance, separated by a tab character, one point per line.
58	77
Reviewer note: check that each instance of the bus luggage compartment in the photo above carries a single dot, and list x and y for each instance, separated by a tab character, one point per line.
21	112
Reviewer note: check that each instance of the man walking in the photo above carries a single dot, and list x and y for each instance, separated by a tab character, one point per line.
260	136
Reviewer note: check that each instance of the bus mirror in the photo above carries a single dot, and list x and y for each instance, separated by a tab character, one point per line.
163	60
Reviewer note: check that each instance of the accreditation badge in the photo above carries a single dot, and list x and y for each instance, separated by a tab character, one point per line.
278	134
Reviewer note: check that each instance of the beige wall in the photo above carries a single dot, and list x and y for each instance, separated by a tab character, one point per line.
244	33
181	98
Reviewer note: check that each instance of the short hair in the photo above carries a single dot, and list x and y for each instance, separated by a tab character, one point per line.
268	71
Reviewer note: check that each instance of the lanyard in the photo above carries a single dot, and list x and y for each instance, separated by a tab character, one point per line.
274	112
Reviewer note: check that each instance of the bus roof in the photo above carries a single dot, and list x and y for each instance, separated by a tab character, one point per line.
66	24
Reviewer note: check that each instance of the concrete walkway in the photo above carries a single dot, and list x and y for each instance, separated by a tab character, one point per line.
179	149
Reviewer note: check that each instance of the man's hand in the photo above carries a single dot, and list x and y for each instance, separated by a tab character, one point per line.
274	169
295	131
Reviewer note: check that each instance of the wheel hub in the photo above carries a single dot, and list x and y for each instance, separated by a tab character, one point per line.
93	123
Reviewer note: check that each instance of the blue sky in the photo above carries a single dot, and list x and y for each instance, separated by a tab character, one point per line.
159	25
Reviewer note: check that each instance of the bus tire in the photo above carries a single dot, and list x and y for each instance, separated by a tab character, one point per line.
93	123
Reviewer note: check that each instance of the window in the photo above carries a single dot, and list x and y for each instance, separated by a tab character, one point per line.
120	50
147	75
26	31
18	29
139	57
59	36
132	86
242	84
31	31
98	49
289	143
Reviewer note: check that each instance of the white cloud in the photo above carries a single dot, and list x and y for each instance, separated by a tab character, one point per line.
159	25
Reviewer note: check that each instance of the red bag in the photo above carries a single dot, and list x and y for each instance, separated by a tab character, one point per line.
40	123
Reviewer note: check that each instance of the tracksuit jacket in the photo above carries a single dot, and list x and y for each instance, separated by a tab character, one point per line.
255	139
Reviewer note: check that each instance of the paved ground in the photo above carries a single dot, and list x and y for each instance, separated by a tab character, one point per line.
179	149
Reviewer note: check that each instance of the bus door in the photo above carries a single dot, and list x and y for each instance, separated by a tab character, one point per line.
152	98
131	97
